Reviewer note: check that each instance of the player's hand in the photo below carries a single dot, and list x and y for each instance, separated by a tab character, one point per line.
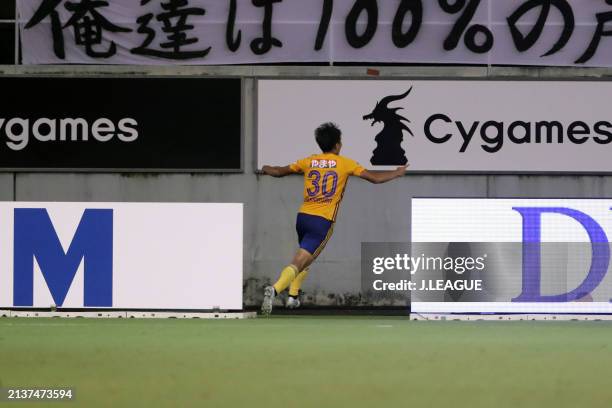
266	170
401	170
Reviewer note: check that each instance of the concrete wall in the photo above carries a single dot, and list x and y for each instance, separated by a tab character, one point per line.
370	213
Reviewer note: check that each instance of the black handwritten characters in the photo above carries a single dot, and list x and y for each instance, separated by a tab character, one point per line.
389	150
463	26
261	45
602	19
525	42
466	10
88	24
173	29
173	18
352	29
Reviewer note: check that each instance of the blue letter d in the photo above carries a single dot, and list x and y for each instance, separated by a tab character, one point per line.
532	225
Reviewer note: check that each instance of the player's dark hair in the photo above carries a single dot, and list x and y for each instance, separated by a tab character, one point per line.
327	136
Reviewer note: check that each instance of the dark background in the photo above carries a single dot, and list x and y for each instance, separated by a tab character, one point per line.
7	32
7	10
183	123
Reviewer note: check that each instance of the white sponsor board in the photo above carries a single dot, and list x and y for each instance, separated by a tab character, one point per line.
498	230
450	126
121	255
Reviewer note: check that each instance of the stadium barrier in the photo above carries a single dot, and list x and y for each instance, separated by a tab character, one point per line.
508	259
508	317
121	256
129	314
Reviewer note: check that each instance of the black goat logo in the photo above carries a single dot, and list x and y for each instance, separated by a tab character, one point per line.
389	150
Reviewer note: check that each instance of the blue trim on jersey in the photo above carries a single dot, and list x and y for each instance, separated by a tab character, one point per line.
312	232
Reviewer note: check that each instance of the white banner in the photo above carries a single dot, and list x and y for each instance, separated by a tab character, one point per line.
121	255
442	126
517	32
535	255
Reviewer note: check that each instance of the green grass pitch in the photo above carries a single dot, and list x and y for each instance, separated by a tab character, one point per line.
310	362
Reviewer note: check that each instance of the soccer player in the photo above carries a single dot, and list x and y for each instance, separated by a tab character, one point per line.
325	178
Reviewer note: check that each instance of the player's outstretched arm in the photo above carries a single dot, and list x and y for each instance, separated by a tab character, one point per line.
277	171
379	177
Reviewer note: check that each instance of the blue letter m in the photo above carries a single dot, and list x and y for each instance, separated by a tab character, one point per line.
35	236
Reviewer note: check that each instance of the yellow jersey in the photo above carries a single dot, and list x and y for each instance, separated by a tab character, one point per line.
325	178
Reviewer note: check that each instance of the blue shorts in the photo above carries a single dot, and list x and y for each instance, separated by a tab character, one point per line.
313	232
